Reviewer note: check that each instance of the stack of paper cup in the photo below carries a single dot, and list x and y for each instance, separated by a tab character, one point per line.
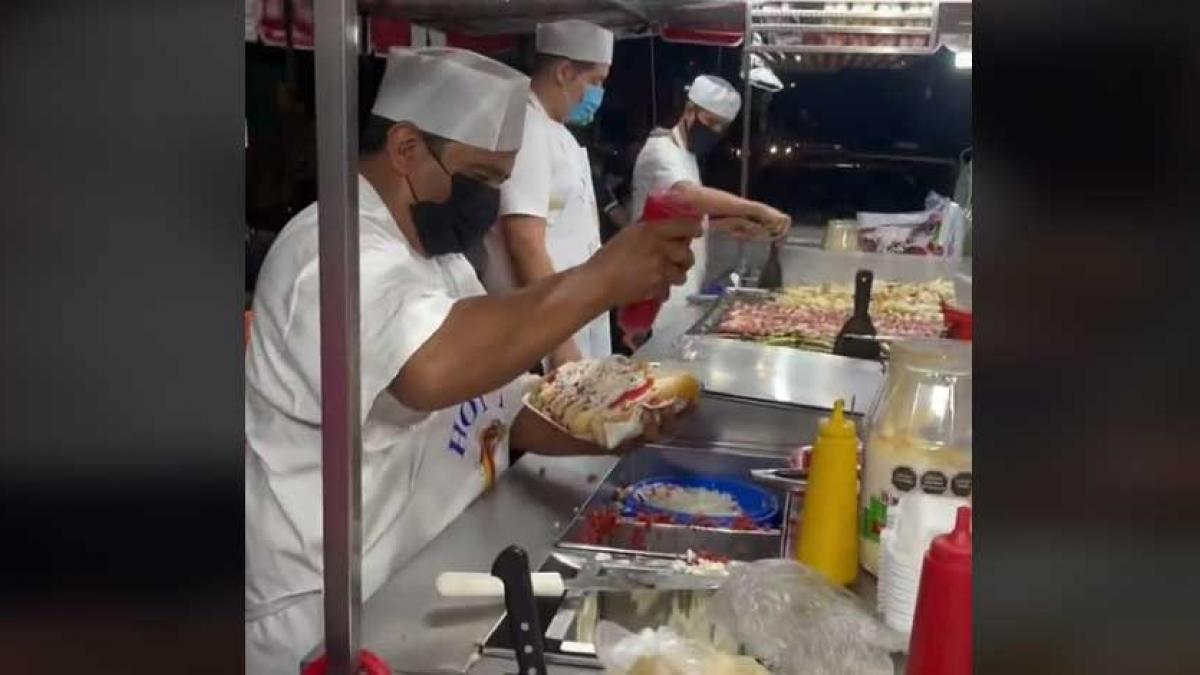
884	580
911	526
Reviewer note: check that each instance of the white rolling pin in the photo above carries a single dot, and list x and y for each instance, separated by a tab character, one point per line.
483	585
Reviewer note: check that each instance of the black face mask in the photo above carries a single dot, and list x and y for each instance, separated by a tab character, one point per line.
701	138
460	223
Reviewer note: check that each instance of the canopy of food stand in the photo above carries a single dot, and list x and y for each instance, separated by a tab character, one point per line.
520	16
492	26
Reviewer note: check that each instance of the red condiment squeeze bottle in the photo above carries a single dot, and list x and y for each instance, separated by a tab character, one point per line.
635	319
368	664
941	634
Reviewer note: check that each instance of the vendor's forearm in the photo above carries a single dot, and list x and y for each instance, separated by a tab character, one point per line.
531	433
486	340
714	202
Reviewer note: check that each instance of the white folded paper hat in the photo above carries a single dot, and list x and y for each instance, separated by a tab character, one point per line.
575	39
456	94
716	96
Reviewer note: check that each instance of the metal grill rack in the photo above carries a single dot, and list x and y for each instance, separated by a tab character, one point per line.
831	35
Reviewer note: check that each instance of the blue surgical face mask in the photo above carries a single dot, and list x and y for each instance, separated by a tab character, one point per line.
585	110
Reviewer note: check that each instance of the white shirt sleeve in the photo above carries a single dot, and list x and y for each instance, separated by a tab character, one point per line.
668	165
660	165
527	190
400	312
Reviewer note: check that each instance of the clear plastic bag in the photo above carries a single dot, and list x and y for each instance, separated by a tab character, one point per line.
665	652
952	232
938	230
791	619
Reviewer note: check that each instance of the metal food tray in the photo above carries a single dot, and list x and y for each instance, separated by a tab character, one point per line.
670	540
707	325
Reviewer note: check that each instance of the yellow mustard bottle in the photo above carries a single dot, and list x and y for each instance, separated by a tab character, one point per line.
828	540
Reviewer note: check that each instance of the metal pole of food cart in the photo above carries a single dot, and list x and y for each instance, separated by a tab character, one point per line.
747	42
336	64
653	88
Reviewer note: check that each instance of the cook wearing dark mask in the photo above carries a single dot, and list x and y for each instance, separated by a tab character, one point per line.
441	363
703	130
669	161
459	223
449	190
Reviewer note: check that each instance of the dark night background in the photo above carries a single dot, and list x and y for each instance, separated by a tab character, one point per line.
839	124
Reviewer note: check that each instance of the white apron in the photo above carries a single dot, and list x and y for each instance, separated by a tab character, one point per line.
419	470
411	492
573	239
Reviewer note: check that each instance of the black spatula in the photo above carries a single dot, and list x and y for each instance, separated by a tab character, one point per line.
859	323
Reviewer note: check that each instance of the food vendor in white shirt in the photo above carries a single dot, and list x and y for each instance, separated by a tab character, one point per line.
548	216
669	161
441	360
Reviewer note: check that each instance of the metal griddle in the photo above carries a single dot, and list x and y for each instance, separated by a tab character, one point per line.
708	326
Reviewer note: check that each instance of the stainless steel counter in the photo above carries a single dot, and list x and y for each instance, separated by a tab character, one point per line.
760	398
494	665
794	376
807	265
759	372
726	253
415	631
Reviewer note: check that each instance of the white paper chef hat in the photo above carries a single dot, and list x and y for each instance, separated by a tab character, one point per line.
716	96
577	40
456	94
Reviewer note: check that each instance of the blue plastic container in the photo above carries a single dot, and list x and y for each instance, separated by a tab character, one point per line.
757	504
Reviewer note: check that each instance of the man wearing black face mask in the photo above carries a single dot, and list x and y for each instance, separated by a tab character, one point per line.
668	161
441	362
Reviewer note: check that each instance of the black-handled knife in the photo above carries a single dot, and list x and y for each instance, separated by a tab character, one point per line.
512	567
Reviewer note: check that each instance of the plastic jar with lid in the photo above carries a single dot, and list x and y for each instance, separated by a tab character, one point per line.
841	235
918	434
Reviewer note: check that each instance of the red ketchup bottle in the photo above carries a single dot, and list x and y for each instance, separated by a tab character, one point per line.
635	319
941	634
368	664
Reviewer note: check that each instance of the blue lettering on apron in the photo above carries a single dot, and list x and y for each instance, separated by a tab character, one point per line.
458	439
468	413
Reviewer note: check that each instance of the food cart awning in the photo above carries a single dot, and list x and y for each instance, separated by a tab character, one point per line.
489	26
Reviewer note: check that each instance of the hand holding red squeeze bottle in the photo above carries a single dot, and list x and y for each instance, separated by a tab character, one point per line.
635	319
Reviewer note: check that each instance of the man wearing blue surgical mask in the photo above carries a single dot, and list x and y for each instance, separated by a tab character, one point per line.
548	220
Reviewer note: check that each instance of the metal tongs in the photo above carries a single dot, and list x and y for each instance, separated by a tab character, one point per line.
792	480
633	574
